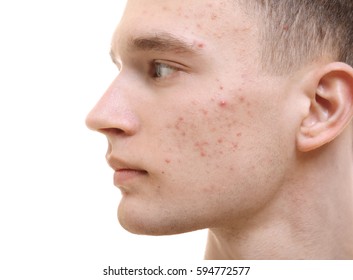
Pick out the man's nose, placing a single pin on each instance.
(113, 112)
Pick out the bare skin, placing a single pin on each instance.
(200, 137)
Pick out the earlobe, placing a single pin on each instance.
(331, 107)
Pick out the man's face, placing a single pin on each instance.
(197, 133)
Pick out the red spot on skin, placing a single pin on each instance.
(220, 140)
(178, 123)
(198, 26)
(167, 161)
(221, 87)
(201, 147)
(201, 45)
(235, 146)
(285, 27)
(239, 134)
(222, 103)
(204, 111)
(214, 17)
(242, 99)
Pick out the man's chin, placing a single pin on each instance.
(149, 228)
(155, 226)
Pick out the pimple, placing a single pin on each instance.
(201, 45)
(239, 134)
(204, 111)
(199, 26)
(220, 140)
(201, 147)
(214, 17)
(167, 160)
(241, 99)
(179, 122)
(221, 87)
(222, 103)
(285, 27)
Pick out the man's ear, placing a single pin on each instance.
(331, 106)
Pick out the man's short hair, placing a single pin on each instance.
(296, 32)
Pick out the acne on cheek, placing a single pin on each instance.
(222, 103)
(200, 45)
(202, 148)
(215, 117)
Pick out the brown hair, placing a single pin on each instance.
(296, 32)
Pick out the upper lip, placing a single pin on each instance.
(118, 164)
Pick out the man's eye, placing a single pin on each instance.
(162, 70)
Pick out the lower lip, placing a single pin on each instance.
(124, 175)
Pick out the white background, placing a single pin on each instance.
(57, 199)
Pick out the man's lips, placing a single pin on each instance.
(124, 171)
(124, 175)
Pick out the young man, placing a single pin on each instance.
(235, 116)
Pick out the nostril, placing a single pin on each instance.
(111, 131)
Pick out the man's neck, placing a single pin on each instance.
(311, 218)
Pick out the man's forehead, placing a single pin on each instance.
(179, 28)
(180, 12)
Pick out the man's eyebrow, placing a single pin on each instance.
(161, 42)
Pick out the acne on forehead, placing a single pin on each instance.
(201, 19)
